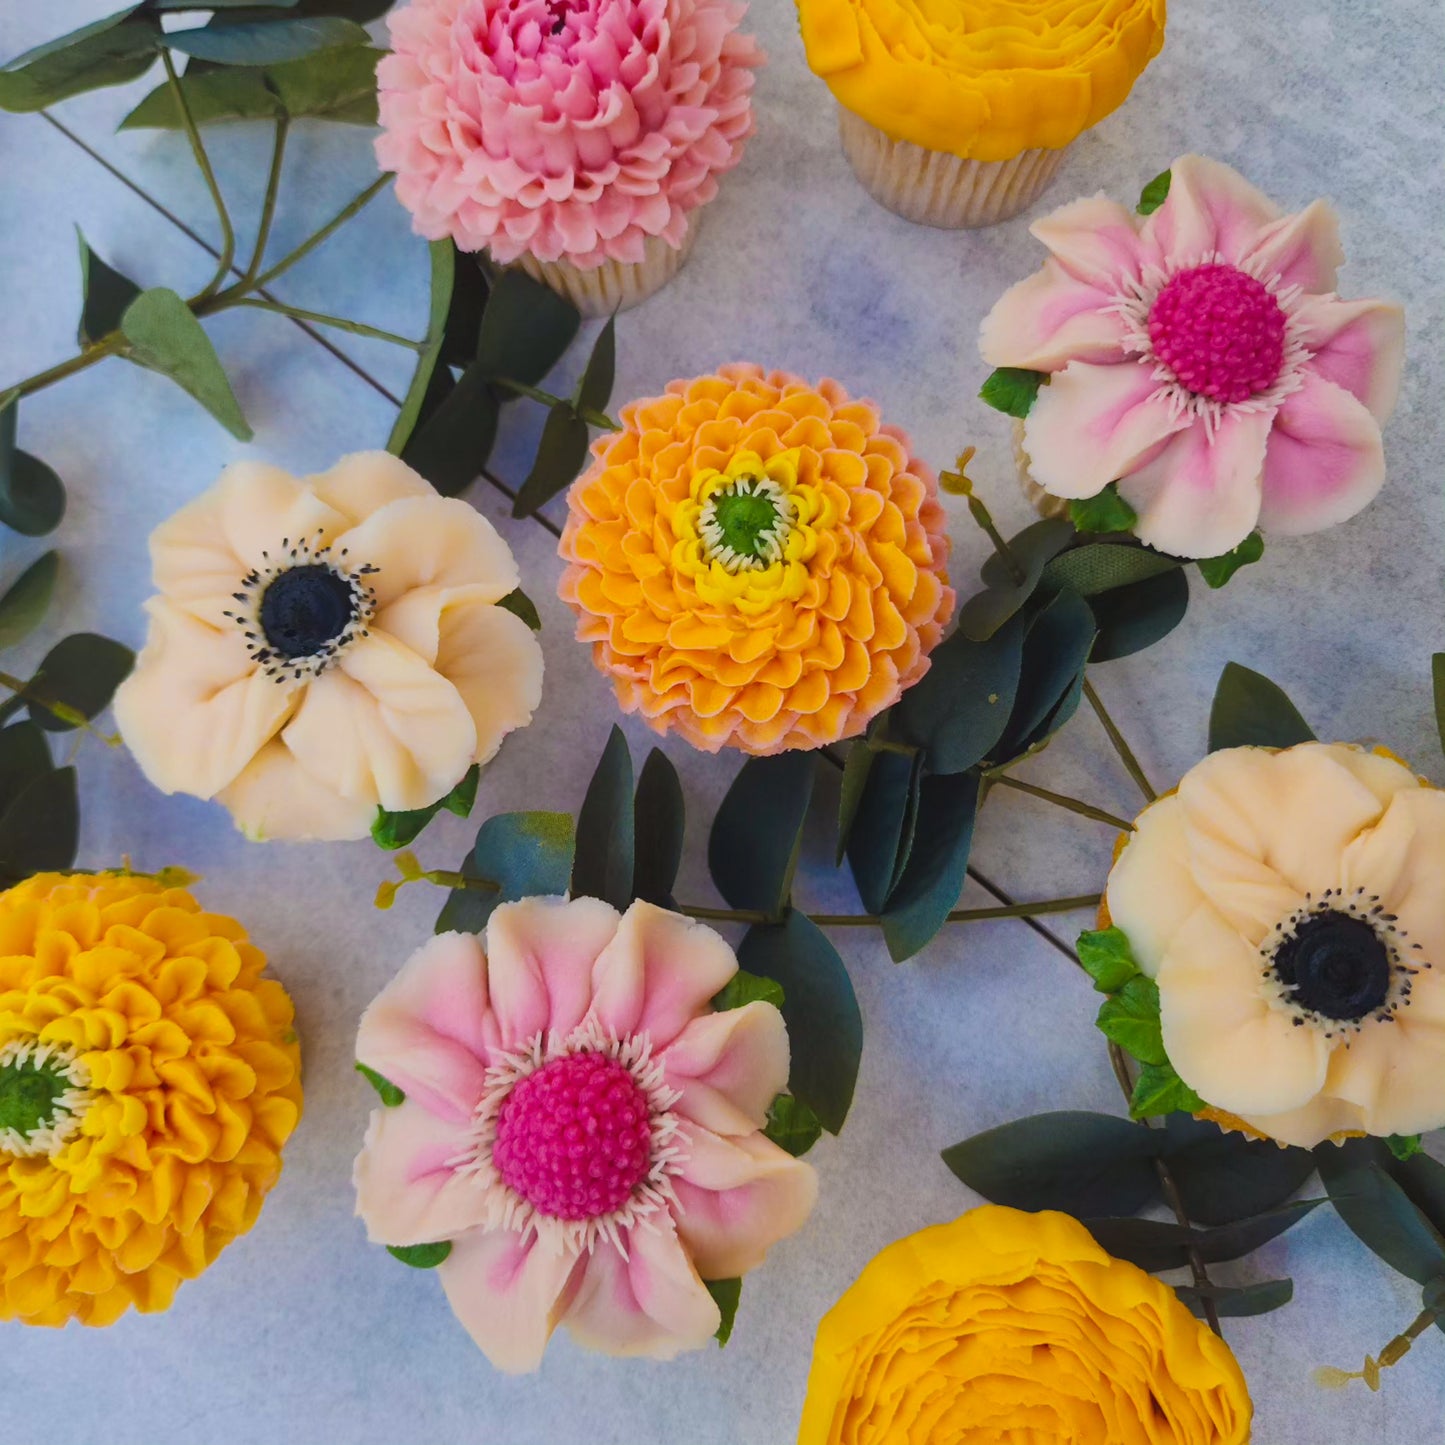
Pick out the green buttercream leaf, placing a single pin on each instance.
(1159, 1090)
(726, 1292)
(1154, 194)
(1106, 511)
(388, 1092)
(421, 1256)
(744, 988)
(1012, 389)
(1107, 958)
(1216, 571)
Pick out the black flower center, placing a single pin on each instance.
(1335, 965)
(304, 609)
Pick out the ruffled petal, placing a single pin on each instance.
(364, 482)
(408, 1190)
(274, 797)
(1301, 250)
(1325, 460)
(415, 617)
(261, 507)
(1210, 208)
(1152, 892)
(1050, 319)
(1094, 239)
(728, 1067)
(1359, 345)
(494, 661)
(1311, 1123)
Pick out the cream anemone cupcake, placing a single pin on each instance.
(957, 113)
(574, 138)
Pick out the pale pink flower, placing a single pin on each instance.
(568, 129)
(1201, 359)
(581, 1126)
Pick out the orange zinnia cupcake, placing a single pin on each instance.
(756, 562)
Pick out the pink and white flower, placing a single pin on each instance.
(580, 1125)
(563, 129)
(1200, 358)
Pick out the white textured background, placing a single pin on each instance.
(301, 1332)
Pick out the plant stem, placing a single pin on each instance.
(340, 323)
(984, 519)
(198, 149)
(60, 710)
(97, 351)
(1061, 800)
(535, 393)
(268, 206)
(1125, 752)
(872, 920)
(357, 203)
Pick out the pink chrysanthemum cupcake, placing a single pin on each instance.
(572, 137)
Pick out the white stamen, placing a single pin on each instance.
(769, 542)
(68, 1108)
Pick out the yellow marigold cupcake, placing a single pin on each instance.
(956, 113)
(149, 1076)
(757, 563)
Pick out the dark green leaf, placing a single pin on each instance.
(396, 830)
(337, 84)
(1102, 566)
(1423, 1180)
(1224, 1176)
(23, 606)
(1131, 1019)
(1243, 1236)
(466, 910)
(104, 293)
(32, 499)
(359, 10)
(520, 605)
(933, 879)
(526, 328)
(561, 455)
(527, 854)
(726, 1293)
(443, 275)
(110, 51)
(1358, 1179)
(266, 42)
(825, 1027)
(164, 335)
(421, 1256)
(792, 1125)
(752, 850)
(1251, 711)
(1012, 389)
(1107, 958)
(1154, 194)
(1132, 618)
(1084, 1164)
(883, 828)
(661, 816)
(1238, 1301)
(1432, 1297)
(602, 867)
(451, 446)
(386, 1091)
(1159, 1090)
(1437, 679)
(81, 673)
(24, 756)
(1218, 570)
(1055, 650)
(211, 96)
(744, 988)
(1155, 1245)
(1106, 511)
(1032, 550)
(856, 768)
(38, 831)
(470, 288)
(595, 389)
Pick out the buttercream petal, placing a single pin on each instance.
(364, 482)
(193, 564)
(261, 507)
(1210, 208)
(494, 661)
(1312, 1123)
(415, 617)
(1094, 239)
(274, 797)
(1359, 345)
(1301, 250)
(728, 1067)
(408, 1190)
(1410, 1099)
(1152, 892)
(1050, 319)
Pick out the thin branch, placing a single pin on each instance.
(198, 149)
(339, 323)
(357, 203)
(1062, 800)
(1125, 752)
(873, 920)
(268, 206)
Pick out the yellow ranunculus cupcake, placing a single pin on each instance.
(956, 113)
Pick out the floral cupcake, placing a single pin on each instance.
(958, 113)
(575, 138)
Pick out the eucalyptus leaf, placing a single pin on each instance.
(561, 455)
(1105, 511)
(421, 1256)
(111, 51)
(1102, 566)
(470, 291)
(933, 878)
(726, 1293)
(81, 673)
(745, 988)
(24, 605)
(40, 829)
(1012, 389)
(1223, 1176)
(1423, 1180)
(104, 292)
(266, 42)
(526, 329)
(753, 847)
(1031, 551)
(520, 605)
(603, 865)
(1056, 647)
(1238, 1301)
(336, 84)
(792, 1125)
(1216, 571)
(443, 275)
(594, 391)
(661, 815)
(1155, 1245)
(1251, 711)
(1131, 618)
(24, 757)
(386, 1091)
(883, 828)
(210, 96)
(526, 854)
(452, 445)
(32, 496)
(856, 769)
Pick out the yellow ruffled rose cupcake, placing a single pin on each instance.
(956, 113)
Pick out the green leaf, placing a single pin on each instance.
(561, 455)
(526, 328)
(110, 51)
(792, 1125)
(933, 878)
(396, 830)
(1056, 649)
(1432, 1297)
(603, 865)
(1251, 711)
(1012, 389)
(265, 42)
(1106, 511)
(1423, 1180)
(1102, 566)
(452, 445)
(1216, 571)
(421, 1256)
(752, 850)
(470, 289)
(388, 1092)
(24, 604)
(1032, 550)
(825, 1026)
(1222, 1176)
(24, 756)
(661, 817)
(39, 830)
(80, 673)
(527, 854)
(1107, 958)
(338, 84)
(261, 5)
(443, 275)
(164, 336)
(1437, 679)
(1159, 1090)
(883, 828)
(744, 988)
(1154, 194)
(1084, 1164)
(32, 498)
(1404, 1146)
(520, 605)
(1238, 1301)
(1131, 1019)
(726, 1293)
(856, 769)
(211, 96)
(1131, 618)
(1154, 1245)
(466, 910)
(594, 391)
(104, 292)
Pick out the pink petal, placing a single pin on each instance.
(1210, 208)
(407, 1189)
(1049, 319)
(431, 1030)
(508, 1292)
(1199, 495)
(658, 974)
(1095, 240)
(652, 1303)
(736, 1198)
(729, 1067)
(1301, 250)
(1325, 460)
(1091, 424)
(542, 953)
(1359, 345)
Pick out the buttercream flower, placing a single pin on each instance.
(1200, 359)
(1288, 906)
(324, 647)
(756, 562)
(1007, 1326)
(149, 1076)
(580, 1125)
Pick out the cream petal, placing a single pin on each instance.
(658, 974)
(1394, 1073)
(193, 564)
(274, 798)
(1401, 860)
(1210, 208)
(364, 482)
(381, 726)
(1359, 345)
(1050, 319)
(430, 542)
(261, 507)
(494, 661)
(508, 1291)
(1091, 424)
(736, 1198)
(408, 1189)
(1301, 250)
(1095, 239)
(415, 617)
(1151, 890)
(1381, 773)
(1310, 1124)
(197, 709)
(728, 1067)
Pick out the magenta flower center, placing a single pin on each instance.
(1220, 332)
(574, 1138)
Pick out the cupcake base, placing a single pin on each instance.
(1046, 504)
(935, 188)
(614, 285)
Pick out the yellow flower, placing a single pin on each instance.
(984, 79)
(148, 1078)
(1007, 1326)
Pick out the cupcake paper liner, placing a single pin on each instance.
(615, 285)
(1044, 503)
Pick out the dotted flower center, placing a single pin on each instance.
(574, 1138)
(1220, 332)
(745, 525)
(44, 1095)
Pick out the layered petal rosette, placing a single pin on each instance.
(569, 130)
(1200, 358)
(149, 1075)
(757, 563)
(322, 647)
(1287, 904)
(579, 1126)
(1007, 1326)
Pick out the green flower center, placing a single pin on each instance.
(745, 525)
(43, 1098)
